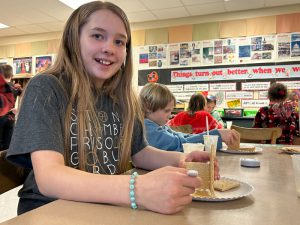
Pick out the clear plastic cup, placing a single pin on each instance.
(228, 124)
(209, 140)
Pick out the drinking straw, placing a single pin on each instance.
(207, 130)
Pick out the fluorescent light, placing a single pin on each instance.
(74, 4)
(3, 26)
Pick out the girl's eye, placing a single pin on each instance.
(98, 36)
(120, 42)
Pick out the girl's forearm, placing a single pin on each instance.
(151, 158)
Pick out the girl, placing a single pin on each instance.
(196, 116)
(80, 122)
(279, 113)
(157, 103)
(210, 107)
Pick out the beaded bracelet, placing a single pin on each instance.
(131, 190)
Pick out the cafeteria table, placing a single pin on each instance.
(273, 200)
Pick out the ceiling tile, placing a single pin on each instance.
(130, 5)
(204, 9)
(53, 26)
(161, 4)
(141, 16)
(10, 32)
(32, 29)
(236, 5)
(199, 2)
(170, 13)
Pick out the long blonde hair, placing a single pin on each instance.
(80, 88)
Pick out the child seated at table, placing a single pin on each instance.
(279, 113)
(196, 116)
(157, 103)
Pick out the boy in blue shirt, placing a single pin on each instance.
(157, 103)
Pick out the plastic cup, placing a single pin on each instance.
(190, 147)
(209, 140)
(228, 124)
(296, 166)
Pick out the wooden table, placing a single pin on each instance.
(274, 201)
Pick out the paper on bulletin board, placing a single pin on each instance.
(257, 103)
(255, 86)
(291, 84)
(263, 94)
(234, 103)
(196, 87)
(183, 95)
(222, 86)
(175, 88)
(239, 94)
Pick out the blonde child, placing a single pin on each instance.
(157, 103)
(80, 124)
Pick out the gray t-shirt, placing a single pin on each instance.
(40, 126)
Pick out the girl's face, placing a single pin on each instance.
(210, 106)
(162, 116)
(103, 45)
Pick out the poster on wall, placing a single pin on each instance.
(22, 65)
(256, 49)
(143, 57)
(262, 48)
(208, 52)
(229, 50)
(283, 46)
(174, 54)
(196, 52)
(185, 55)
(295, 45)
(42, 63)
(244, 49)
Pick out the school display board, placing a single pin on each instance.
(238, 70)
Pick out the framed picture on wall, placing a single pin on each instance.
(22, 65)
(42, 63)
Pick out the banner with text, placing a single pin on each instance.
(236, 73)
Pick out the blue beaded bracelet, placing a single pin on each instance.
(132, 191)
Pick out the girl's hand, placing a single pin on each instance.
(166, 190)
(200, 156)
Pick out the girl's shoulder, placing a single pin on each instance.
(47, 82)
(43, 79)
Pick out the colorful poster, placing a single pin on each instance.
(295, 45)
(208, 52)
(174, 54)
(283, 46)
(196, 52)
(42, 63)
(22, 65)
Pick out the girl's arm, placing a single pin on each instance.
(166, 190)
(151, 158)
(54, 179)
